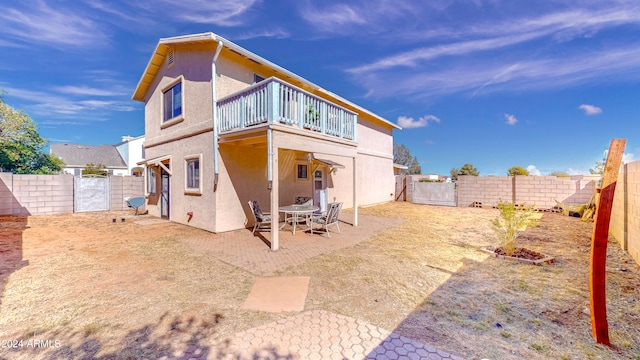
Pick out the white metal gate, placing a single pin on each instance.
(91, 194)
(434, 193)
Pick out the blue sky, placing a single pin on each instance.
(539, 84)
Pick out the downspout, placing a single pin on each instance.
(269, 158)
(214, 116)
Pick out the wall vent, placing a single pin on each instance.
(170, 58)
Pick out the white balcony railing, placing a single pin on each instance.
(273, 100)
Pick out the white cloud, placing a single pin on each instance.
(359, 17)
(40, 24)
(487, 37)
(511, 119)
(410, 123)
(334, 18)
(627, 157)
(88, 91)
(219, 12)
(501, 74)
(54, 104)
(533, 170)
(276, 33)
(590, 109)
(502, 59)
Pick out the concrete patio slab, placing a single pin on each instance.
(278, 294)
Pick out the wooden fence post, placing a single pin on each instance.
(599, 239)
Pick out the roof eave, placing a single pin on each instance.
(140, 93)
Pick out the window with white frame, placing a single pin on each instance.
(172, 101)
(192, 174)
(151, 181)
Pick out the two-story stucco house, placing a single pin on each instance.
(224, 126)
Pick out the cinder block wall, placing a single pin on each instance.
(53, 194)
(123, 187)
(541, 191)
(7, 201)
(42, 194)
(625, 214)
(488, 190)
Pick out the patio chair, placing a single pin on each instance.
(262, 221)
(330, 218)
(304, 200)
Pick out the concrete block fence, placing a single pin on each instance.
(541, 191)
(53, 194)
(625, 214)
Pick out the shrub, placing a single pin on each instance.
(508, 225)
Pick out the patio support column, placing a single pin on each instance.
(273, 163)
(355, 192)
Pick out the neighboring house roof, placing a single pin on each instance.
(400, 166)
(75, 155)
(164, 45)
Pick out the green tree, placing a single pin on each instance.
(559, 174)
(95, 169)
(466, 169)
(598, 169)
(402, 156)
(517, 170)
(22, 149)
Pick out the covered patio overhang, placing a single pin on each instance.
(276, 137)
(161, 161)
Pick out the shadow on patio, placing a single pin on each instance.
(252, 253)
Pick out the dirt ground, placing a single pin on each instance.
(82, 286)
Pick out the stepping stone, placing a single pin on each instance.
(278, 294)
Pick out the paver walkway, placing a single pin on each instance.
(321, 334)
(253, 254)
(316, 334)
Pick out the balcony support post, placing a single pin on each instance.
(273, 101)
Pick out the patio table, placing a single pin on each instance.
(295, 213)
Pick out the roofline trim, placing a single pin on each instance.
(210, 36)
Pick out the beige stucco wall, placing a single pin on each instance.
(375, 139)
(243, 169)
(231, 77)
(376, 182)
(193, 66)
(182, 201)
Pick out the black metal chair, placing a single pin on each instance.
(262, 221)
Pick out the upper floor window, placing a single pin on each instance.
(172, 99)
(257, 78)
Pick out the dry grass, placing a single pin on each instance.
(121, 290)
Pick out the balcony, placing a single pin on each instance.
(275, 101)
